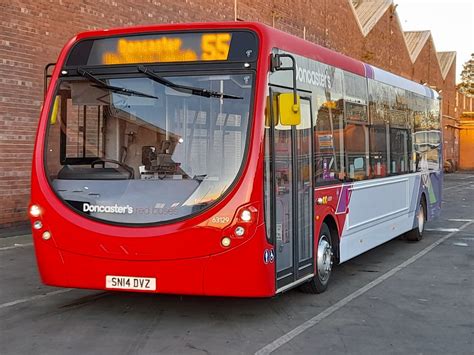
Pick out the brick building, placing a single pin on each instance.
(33, 32)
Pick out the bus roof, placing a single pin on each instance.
(274, 38)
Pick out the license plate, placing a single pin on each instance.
(130, 283)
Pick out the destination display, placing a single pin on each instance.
(165, 48)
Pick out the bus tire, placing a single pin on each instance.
(324, 262)
(416, 234)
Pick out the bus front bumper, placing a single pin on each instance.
(237, 272)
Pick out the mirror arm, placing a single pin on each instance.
(277, 66)
(47, 76)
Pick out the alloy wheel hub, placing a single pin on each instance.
(324, 260)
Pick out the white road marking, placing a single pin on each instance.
(16, 245)
(446, 230)
(279, 342)
(458, 185)
(460, 220)
(34, 298)
(459, 244)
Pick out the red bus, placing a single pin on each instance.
(225, 159)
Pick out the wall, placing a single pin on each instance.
(33, 32)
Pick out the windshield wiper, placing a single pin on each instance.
(117, 89)
(184, 88)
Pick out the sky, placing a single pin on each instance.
(451, 23)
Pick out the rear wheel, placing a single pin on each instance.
(416, 234)
(324, 262)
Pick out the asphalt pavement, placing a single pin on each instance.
(410, 298)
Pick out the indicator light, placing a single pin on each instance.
(246, 216)
(239, 231)
(225, 241)
(35, 211)
(37, 225)
(46, 235)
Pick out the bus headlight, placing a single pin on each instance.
(246, 216)
(37, 225)
(46, 235)
(35, 211)
(225, 242)
(239, 231)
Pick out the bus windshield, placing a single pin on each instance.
(139, 150)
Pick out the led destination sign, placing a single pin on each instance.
(165, 48)
(211, 46)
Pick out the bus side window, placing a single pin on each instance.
(378, 131)
(356, 146)
(329, 164)
(399, 151)
(328, 138)
(356, 133)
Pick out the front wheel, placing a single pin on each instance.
(324, 262)
(416, 234)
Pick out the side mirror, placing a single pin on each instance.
(54, 113)
(289, 109)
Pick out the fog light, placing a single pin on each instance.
(239, 231)
(37, 225)
(246, 216)
(225, 241)
(35, 211)
(46, 235)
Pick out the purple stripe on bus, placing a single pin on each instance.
(429, 92)
(344, 198)
(369, 72)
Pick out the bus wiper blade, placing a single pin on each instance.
(117, 89)
(183, 88)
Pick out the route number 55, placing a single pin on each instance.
(215, 46)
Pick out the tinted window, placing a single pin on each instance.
(356, 143)
(378, 151)
(329, 150)
(399, 151)
(427, 135)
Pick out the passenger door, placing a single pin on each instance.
(292, 198)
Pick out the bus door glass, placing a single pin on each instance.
(292, 199)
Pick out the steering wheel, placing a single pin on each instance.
(124, 166)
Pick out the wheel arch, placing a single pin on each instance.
(330, 221)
